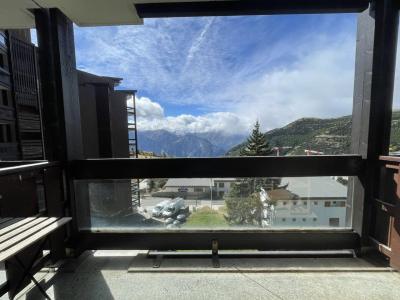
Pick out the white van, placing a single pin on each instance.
(159, 208)
(173, 208)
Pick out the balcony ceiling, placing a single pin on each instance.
(16, 13)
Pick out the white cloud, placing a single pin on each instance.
(236, 69)
(147, 109)
(320, 84)
(150, 116)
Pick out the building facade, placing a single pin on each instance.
(20, 99)
(309, 202)
(196, 188)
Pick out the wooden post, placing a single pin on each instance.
(373, 97)
(61, 110)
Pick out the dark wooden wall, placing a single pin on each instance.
(119, 124)
(89, 124)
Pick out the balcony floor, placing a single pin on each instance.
(130, 275)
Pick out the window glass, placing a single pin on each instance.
(205, 90)
(394, 148)
(247, 203)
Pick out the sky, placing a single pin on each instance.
(224, 73)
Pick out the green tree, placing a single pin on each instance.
(151, 185)
(243, 207)
(257, 144)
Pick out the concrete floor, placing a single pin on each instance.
(130, 275)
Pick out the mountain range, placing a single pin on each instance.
(163, 142)
(330, 136)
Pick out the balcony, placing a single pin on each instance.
(129, 274)
(308, 235)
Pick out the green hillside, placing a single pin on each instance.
(331, 136)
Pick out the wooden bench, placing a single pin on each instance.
(18, 234)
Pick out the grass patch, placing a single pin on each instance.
(206, 217)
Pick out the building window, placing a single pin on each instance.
(294, 219)
(283, 220)
(5, 133)
(304, 219)
(305, 203)
(335, 204)
(3, 97)
(294, 202)
(315, 203)
(334, 222)
(314, 219)
(284, 202)
(198, 189)
(2, 40)
(221, 185)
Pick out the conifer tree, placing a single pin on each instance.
(257, 144)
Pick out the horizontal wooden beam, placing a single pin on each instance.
(197, 240)
(248, 7)
(266, 166)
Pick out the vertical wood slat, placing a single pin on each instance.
(26, 98)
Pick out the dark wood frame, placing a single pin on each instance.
(248, 7)
(289, 166)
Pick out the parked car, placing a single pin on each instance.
(181, 218)
(177, 223)
(184, 210)
(169, 221)
(173, 208)
(159, 208)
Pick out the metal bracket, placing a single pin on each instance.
(215, 258)
(157, 261)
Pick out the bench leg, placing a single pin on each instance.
(27, 272)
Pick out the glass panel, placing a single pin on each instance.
(395, 130)
(2, 40)
(214, 203)
(201, 86)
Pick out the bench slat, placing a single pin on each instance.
(8, 222)
(3, 220)
(20, 229)
(14, 223)
(9, 243)
(33, 238)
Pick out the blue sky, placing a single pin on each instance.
(224, 73)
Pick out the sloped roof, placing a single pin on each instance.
(89, 78)
(180, 182)
(280, 194)
(315, 187)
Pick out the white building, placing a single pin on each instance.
(309, 202)
(220, 186)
